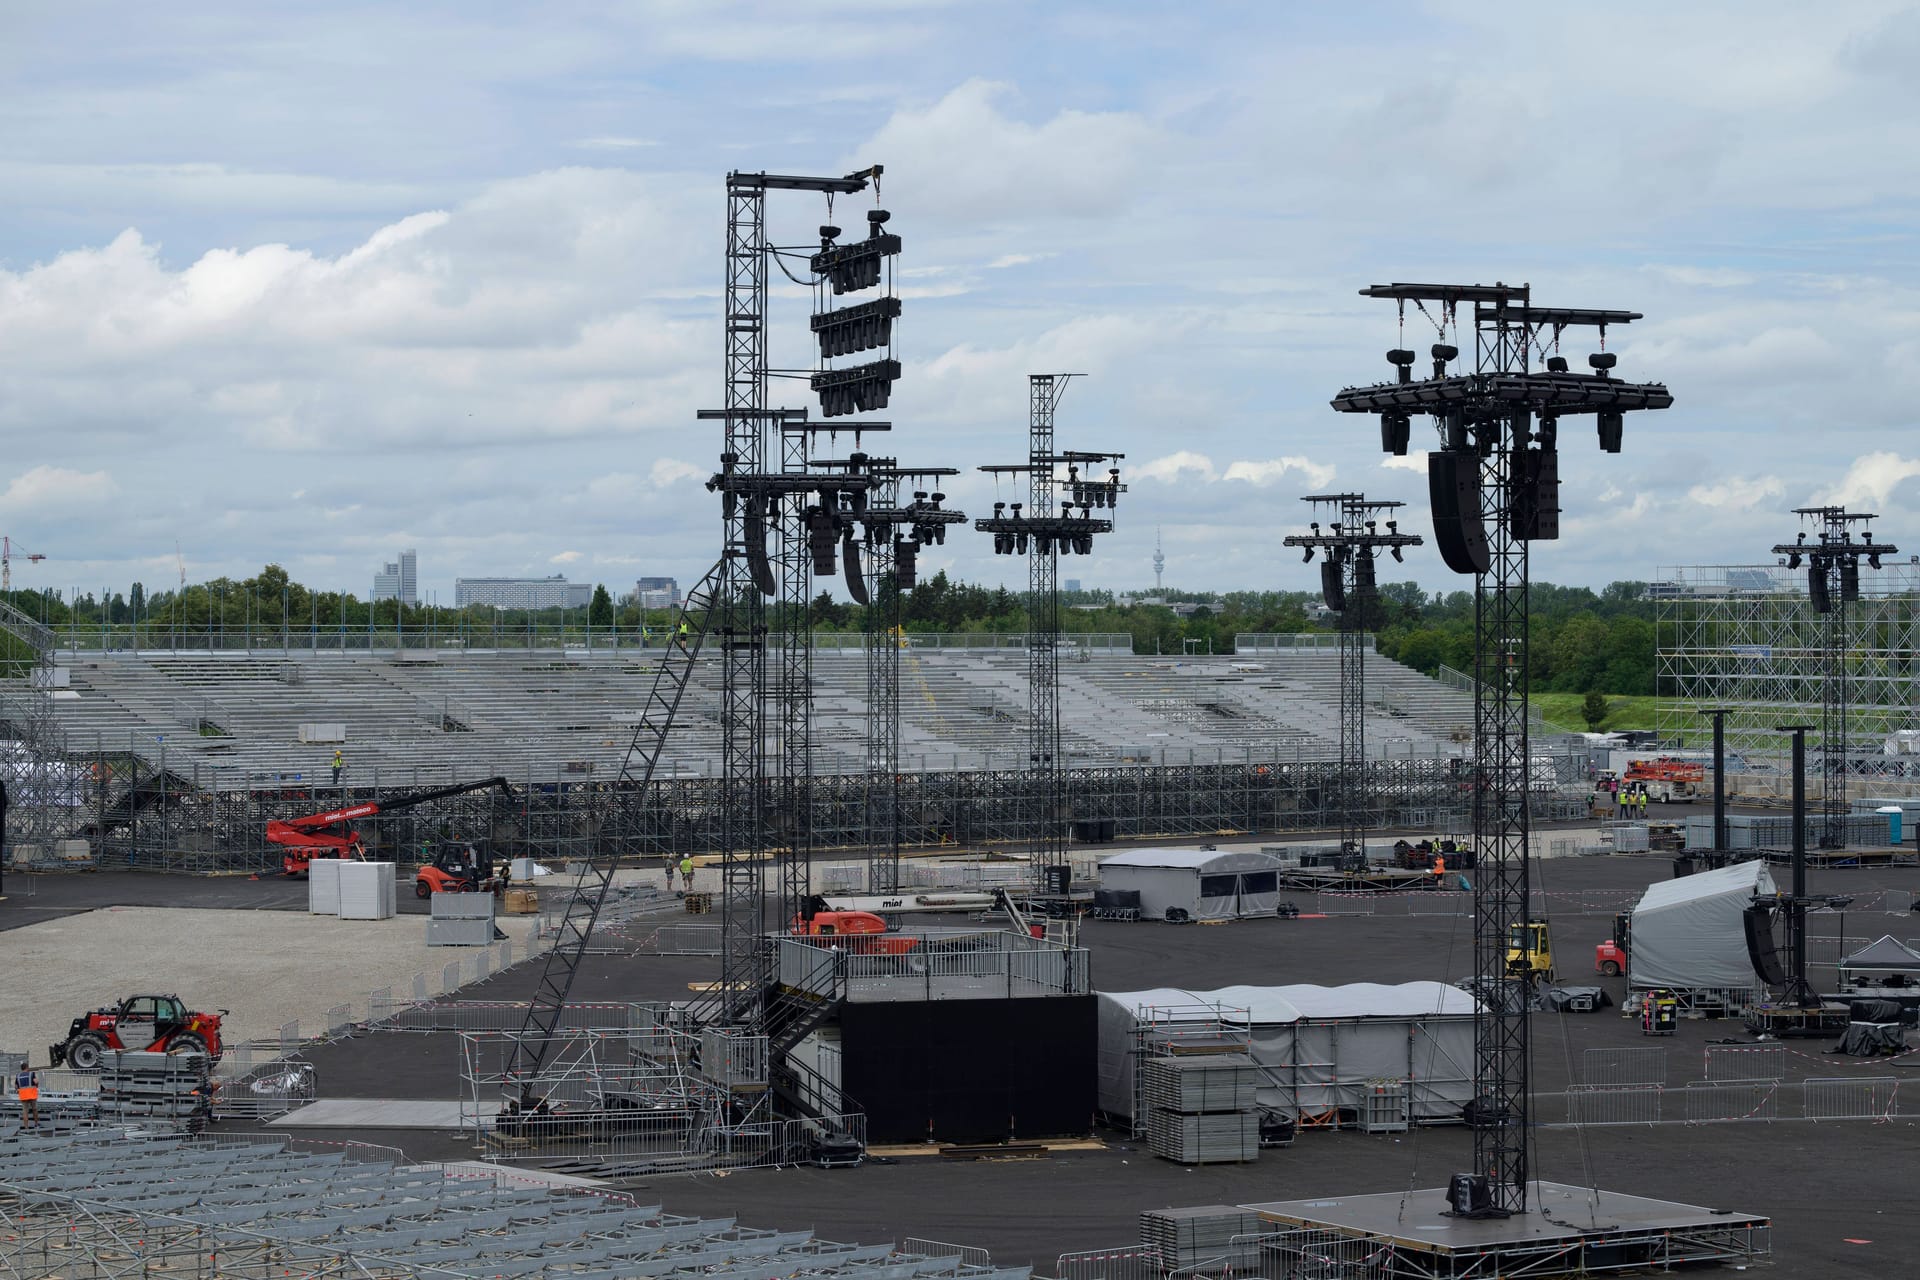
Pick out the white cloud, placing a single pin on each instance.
(1871, 480)
(1016, 260)
(671, 471)
(1171, 468)
(1739, 492)
(964, 155)
(567, 557)
(48, 488)
(1273, 470)
(1412, 460)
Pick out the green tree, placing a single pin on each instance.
(1594, 710)
(600, 608)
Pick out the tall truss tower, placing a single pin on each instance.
(1494, 481)
(1349, 587)
(784, 522)
(896, 532)
(1833, 586)
(1041, 532)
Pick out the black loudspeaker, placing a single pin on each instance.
(1469, 1195)
(1396, 433)
(850, 562)
(1059, 880)
(1533, 495)
(1817, 586)
(756, 536)
(1849, 579)
(905, 563)
(1760, 948)
(1453, 485)
(1333, 586)
(1365, 583)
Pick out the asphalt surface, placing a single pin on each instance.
(1826, 1186)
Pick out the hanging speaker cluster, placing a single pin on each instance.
(1817, 590)
(856, 390)
(1453, 489)
(850, 268)
(1333, 588)
(849, 330)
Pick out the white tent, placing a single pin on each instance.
(1203, 884)
(1688, 931)
(1319, 1048)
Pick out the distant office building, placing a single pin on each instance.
(522, 593)
(657, 593)
(399, 580)
(1070, 584)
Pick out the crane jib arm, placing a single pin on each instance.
(280, 831)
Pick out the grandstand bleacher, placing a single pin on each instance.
(234, 719)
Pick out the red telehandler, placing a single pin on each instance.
(331, 834)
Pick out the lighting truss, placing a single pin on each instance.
(1043, 532)
(895, 531)
(1349, 551)
(1494, 481)
(1832, 561)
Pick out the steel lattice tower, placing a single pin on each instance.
(895, 533)
(1041, 533)
(1833, 586)
(1494, 484)
(1348, 586)
(764, 481)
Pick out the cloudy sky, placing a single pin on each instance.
(308, 284)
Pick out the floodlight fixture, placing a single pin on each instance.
(855, 390)
(845, 331)
(849, 268)
(1557, 364)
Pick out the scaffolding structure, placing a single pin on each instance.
(1495, 489)
(39, 779)
(1040, 529)
(1747, 638)
(1349, 587)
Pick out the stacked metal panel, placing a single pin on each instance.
(174, 1087)
(323, 887)
(461, 920)
(1201, 1109)
(366, 891)
(1206, 1238)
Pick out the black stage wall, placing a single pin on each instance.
(970, 1070)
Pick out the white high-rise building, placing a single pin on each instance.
(522, 593)
(399, 579)
(656, 593)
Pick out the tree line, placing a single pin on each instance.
(1581, 640)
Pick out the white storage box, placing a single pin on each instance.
(323, 887)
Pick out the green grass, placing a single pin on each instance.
(1562, 710)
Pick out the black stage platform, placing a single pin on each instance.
(1565, 1231)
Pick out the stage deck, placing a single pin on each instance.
(1566, 1230)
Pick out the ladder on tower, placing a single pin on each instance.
(636, 774)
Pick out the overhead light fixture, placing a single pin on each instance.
(1442, 353)
(1601, 361)
(847, 330)
(849, 268)
(1556, 364)
(1403, 361)
(855, 390)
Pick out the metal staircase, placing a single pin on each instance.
(590, 892)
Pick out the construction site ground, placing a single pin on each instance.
(1841, 1194)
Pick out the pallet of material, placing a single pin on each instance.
(1208, 1237)
(1224, 1138)
(1211, 1082)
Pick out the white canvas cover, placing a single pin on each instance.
(1319, 1048)
(1207, 884)
(1687, 932)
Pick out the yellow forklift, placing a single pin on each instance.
(1530, 951)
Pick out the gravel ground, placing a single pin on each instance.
(267, 967)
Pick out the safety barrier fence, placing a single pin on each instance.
(967, 1255)
(1728, 1101)
(1745, 1062)
(1126, 1262)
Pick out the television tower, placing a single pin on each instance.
(1159, 560)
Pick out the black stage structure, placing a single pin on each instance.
(1042, 531)
(1349, 585)
(1833, 561)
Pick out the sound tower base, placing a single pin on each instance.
(1408, 1236)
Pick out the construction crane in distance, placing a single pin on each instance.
(7, 549)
